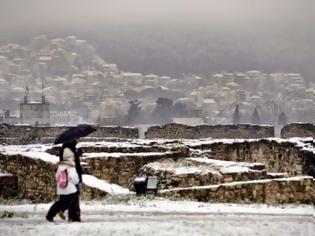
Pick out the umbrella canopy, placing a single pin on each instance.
(74, 133)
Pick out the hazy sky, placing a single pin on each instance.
(19, 13)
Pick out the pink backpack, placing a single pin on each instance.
(62, 179)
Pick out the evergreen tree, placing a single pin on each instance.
(163, 112)
(236, 116)
(282, 119)
(255, 117)
(134, 112)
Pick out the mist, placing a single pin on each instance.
(32, 13)
(178, 36)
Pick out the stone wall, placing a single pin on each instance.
(92, 193)
(118, 149)
(208, 176)
(291, 190)
(277, 157)
(20, 134)
(16, 134)
(122, 170)
(179, 131)
(298, 130)
(36, 179)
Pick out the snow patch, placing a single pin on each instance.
(120, 154)
(297, 178)
(103, 185)
(34, 151)
(4, 173)
(108, 144)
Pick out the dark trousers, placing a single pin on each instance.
(66, 202)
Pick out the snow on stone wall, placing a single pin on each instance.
(278, 155)
(179, 131)
(34, 167)
(20, 134)
(286, 190)
(35, 178)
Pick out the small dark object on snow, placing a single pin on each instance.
(74, 133)
(145, 184)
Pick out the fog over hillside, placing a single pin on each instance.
(176, 37)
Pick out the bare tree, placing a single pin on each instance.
(134, 112)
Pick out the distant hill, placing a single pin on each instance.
(177, 49)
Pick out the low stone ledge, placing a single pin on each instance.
(22, 134)
(180, 131)
(277, 155)
(35, 179)
(188, 173)
(122, 169)
(276, 191)
(298, 130)
(114, 149)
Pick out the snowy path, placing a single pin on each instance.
(162, 217)
(135, 223)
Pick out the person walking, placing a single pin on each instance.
(69, 138)
(67, 178)
(77, 154)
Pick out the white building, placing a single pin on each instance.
(35, 113)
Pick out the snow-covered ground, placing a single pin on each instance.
(128, 215)
(140, 216)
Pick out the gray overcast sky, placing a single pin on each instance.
(270, 35)
(19, 13)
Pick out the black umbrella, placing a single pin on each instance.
(74, 133)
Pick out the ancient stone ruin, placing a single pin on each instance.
(177, 131)
(26, 134)
(213, 170)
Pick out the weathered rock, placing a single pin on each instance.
(284, 157)
(200, 175)
(298, 130)
(36, 179)
(178, 131)
(16, 134)
(290, 190)
(123, 169)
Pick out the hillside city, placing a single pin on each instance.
(81, 87)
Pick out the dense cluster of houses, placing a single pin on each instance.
(81, 87)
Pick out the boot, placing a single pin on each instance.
(61, 214)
